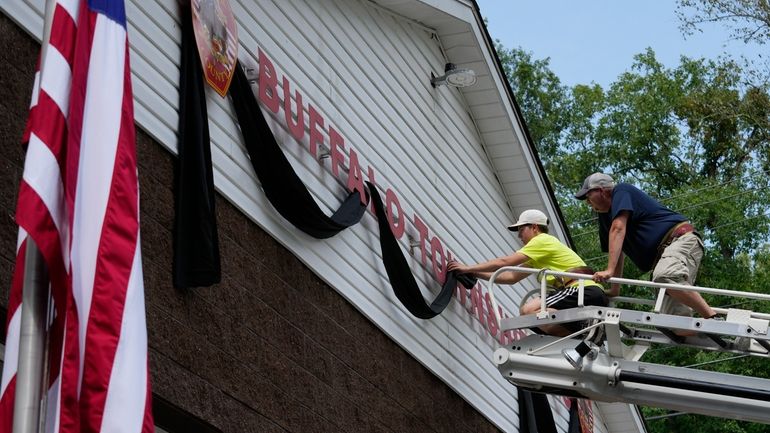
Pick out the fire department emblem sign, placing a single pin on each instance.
(217, 38)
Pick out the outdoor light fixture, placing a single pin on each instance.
(575, 356)
(454, 77)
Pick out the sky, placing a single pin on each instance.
(595, 40)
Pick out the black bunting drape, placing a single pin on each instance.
(280, 182)
(535, 414)
(574, 417)
(196, 242)
(400, 275)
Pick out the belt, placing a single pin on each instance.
(677, 231)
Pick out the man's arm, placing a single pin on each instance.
(615, 260)
(615, 287)
(484, 270)
(503, 278)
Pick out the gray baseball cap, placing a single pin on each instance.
(596, 180)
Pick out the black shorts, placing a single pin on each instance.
(568, 298)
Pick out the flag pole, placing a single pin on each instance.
(32, 341)
(30, 376)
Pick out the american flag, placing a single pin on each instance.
(79, 202)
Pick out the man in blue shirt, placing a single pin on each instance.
(651, 235)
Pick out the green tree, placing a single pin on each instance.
(540, 94)
(747, 21)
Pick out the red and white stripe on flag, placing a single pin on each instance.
(79, 201)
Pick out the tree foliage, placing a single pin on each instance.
(540, 94)
(696, 136)
(749, 20)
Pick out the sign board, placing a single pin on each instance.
(217, 38)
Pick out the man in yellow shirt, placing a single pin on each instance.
(541, 251)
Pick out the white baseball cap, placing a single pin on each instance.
(596, 180)
(530, 216)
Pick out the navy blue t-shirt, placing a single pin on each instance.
(648, 222)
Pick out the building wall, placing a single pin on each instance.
(272, 348)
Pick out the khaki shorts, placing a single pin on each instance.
(679, 264)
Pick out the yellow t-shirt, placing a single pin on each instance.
(545, 251)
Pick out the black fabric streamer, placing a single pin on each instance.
(526, 412)
(545, 422)
(196, 260)
(535, 414)
(400, 275)
(574, 417)
(280, 182)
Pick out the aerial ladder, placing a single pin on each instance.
(601, 361)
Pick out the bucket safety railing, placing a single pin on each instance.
(581, 278)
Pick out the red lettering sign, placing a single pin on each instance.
(477, 308)
(267, 82)
(397, 222)
(355, 177)
(297, 129)
(439, 266)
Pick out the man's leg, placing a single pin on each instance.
(533, 307)
(679, 265)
